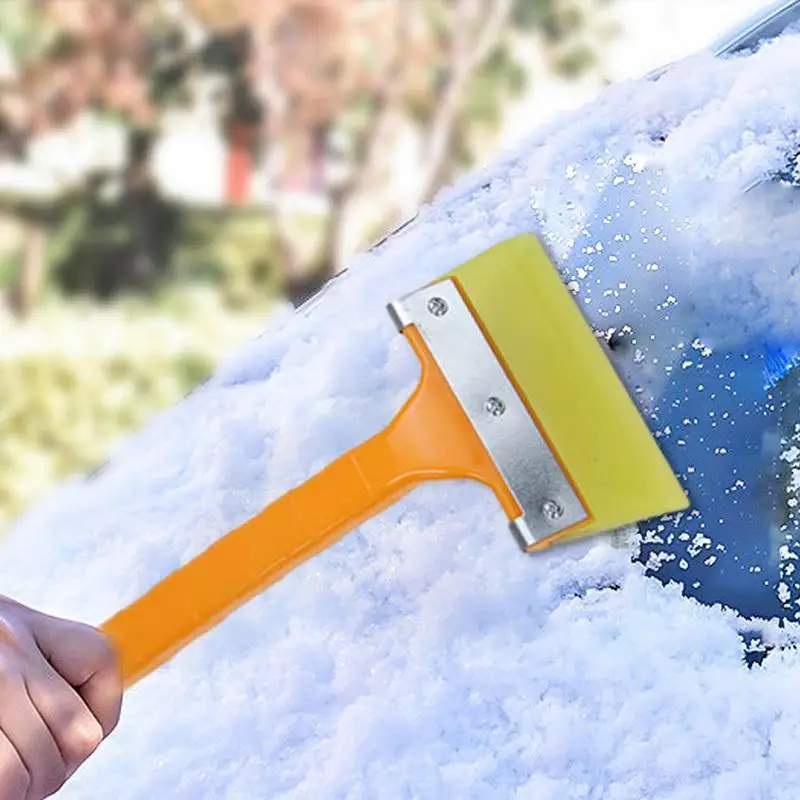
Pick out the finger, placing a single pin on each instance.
(102, 692)
(15, 781)
(25, 729)
(72, 725)
(86, 659)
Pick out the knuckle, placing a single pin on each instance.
(84, 736)
(99, 650)
(74, 727)
(105, 654)
(10, 635)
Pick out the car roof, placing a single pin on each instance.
(767, 23)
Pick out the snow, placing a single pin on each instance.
(424, 656)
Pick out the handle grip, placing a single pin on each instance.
(431, 438)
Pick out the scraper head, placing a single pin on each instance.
(543, 396)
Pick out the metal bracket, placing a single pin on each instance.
(494, 408)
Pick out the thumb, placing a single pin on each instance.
(85, 658)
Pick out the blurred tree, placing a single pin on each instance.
(74, 54)
(336, 80)
(319, 90)
(73, 57)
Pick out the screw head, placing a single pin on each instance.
(437, 306)
(552, 510)
(495, 406)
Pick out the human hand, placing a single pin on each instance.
(60, 697)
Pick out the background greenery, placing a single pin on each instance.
(82, 377)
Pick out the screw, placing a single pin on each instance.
(495, 406)
(437, 306)
(552, 510)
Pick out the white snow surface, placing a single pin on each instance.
(424, 656)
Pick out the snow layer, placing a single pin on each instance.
(424, 656)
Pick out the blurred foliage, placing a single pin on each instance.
(24, 31)
(91, 249)
(76, 379)
(9, 269)
(232, 248)
(95, 245)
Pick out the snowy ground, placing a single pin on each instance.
(424, 656)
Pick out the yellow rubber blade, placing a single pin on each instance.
(572, 390)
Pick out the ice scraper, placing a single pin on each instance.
(515, 392)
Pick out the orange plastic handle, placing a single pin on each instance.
(431, 438)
